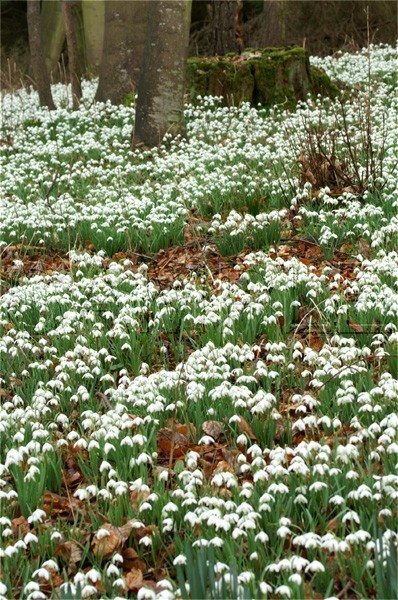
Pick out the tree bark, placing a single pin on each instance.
(123, 47)
(42, 79)
(227, 34)
(160, 102)
(94, 21)
(52, 24)
(72, 52)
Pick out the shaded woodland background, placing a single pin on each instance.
(322, 26)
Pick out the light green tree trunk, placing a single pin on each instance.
(94, 22)
(123, 46)
(160, 102)
(52, 26)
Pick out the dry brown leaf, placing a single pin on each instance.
(70, 552)
(364, 248)
(213, 428)
(280, 430)
(168, 438)
(158, 573)
(55, 504)
(355, 326)
(20, 526)
(137, 497)
(131, 560)
(314, 341)
(244, 427)
(103, 547)
(222, 467)
(134, 579)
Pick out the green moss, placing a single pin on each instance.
(128, 99)
(268, 76)
(322, 84)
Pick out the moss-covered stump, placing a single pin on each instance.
(268, 76)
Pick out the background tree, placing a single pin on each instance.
(41, 76)
(226, 30)
(72, 52)
(160, 101)
(123, 47)
(52, 24)
(94, 22)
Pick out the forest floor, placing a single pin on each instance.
(198, 348)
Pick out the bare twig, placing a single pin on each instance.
(104, 399)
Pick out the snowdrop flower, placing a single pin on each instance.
(180, 560)
(265, 588)
(88, 590)
(284, 591)
(30, 537)
(296, 579)
(351, 515)
(112, 570)
(37, 516)
(283, 532)
(146, 594)
(262, 537)
(50, 564)
(41, 574)
(146, 541)
(93, 575)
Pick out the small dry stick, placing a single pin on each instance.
(104, 399)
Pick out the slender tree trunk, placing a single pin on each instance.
(94, 21)
(42, 79)
(52, 26)
(159, 107)
(72, 52)
(123, 47)
(227, 36)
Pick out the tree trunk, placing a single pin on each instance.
(94, 21)
(42, 79)
(72, 52)
(227, 36)
(123, 47)
(52, 24)
(160, 102)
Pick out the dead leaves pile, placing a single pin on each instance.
(321, 170)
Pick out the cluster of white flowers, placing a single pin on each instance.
(98, 363)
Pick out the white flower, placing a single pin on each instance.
(101, 533)
(315, 567)
(180, 560)
(262, 537)
(30, 537)
(146, 541)
(93, 575)
(50, 564)
(146, 594)
(37, 515)
(112, 570)
(296, 579)
(351, 515)
(88, 590)
(283, 532)
(41, 574)
(216, 541)
(283, 590)
(265, 588)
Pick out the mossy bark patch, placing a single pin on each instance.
(266, 77)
